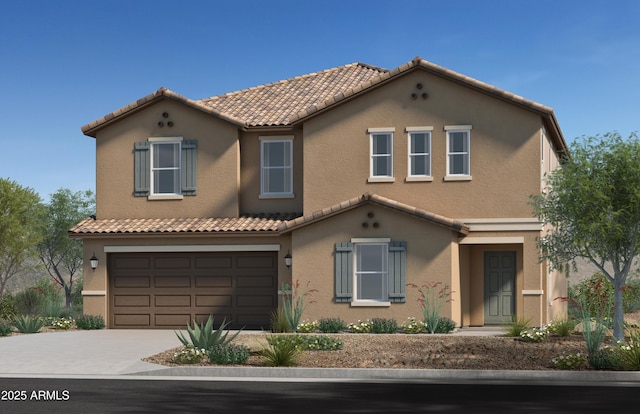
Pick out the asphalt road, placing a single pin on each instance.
(41, 395)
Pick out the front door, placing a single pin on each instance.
(499, 287)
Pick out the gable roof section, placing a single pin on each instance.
(258, 223)
(292, 101)
(371, 198)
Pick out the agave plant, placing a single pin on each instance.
(203, 336)
(27, 324)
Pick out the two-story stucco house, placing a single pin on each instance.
(355, 181)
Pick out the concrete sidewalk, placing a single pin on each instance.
(108, 353)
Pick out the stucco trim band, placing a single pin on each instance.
(194, 248)
(503, 224)
(492, 240)
(539, 292)
(94, 293)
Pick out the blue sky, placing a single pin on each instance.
(64, 63)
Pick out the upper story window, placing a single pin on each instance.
(381, 153)
(419, 153)
(458, 152)
(276, 165)
(165, 168)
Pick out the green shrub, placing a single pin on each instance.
(280, 353)
(203, 336)
(534, 334)
(72, 312)
(563, 327)
(5, 328)
(52, 307)
(569, 361)
(414, 326)
(88, 322)
(7, 307)
(517, 326)
(61, 323)
(630, 351)
(28, 324)
(189, 355)
(606, 358)
(308, 342)
(76, 293)
(308, 326)
(29, 302)
(360, 327)
(331, 325)
(383, 326)
(279, 322)
(229, 354)
(596, 292)
(445, 325)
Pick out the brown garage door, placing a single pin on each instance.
(169, 290)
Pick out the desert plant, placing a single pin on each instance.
(445, 325)
(308, 326)
(203, 336)
(293, 303)
(331, 325)
(7, 307)
(307, 342)
(562, 327)
(414, 326)
(189, 355)
(89, 322)
(517, 326)
(61, 323)
(432, 298)
(534, 334)
(630, 351)
(229, 354)
(279, 322)
(569, 361)
(29, 302)
(360, 327)
(383, 326)
(5, 328)
(52, 307)
(279, 353)
(28, 324)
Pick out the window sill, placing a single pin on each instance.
(165, 197)
(415, 179)
(381, 180)
(370, 303)
(276, 195)
(457, 178)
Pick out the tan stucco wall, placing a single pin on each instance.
(218, 164)
(96, 283)
(505, 150)
(429, 259)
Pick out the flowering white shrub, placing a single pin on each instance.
(360, 327)
(189, 355)
(569, 361)
(414, 326)
(535, 334)
(308, 327)
(62, 323)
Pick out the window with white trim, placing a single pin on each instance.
(165, 167)
(419, 151)
(371, 271)
(458, 151)
(276, 164)
(381, 152)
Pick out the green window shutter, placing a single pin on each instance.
(142, 168)
(189, 167)
(344, 272)
(397, 272)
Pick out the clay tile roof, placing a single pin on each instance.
(248, 223)
(279, 102)
(371, 198)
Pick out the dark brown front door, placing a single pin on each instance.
(170, 290)
(499, 287)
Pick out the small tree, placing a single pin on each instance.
(20, 211)
(61, 255)
(591, 207)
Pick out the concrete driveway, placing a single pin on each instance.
(95, 352)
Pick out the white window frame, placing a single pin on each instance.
(410, 133)
(264, 141)
(357, 244)
(373, 132)
(450, 129)
(154, 141)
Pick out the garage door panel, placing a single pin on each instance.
(172, 319)
(131, 320)
(172, 281)
(214, 301)
(220, 262)
(214, 281)
(132, 301)
(131, 282)
(172, 300)
(241, 286)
